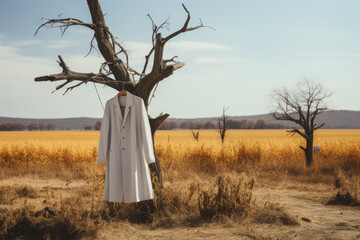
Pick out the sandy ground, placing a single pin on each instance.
(326, 221)
(323, 221)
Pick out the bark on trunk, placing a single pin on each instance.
(309, 152)
(155, 168)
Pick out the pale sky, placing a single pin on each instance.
(257, 45)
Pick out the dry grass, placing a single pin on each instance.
(265, 150)
(204, 182)
(348, 192)
(271, 213)
(9, 193)
(25, 223)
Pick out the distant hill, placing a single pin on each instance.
(59, 123)
(337, 119)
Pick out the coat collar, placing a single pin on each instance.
(129, 104)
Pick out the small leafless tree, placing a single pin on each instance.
(222, 125)
(195, 135)
(302, 106)
(116, 70)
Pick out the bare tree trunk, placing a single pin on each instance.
(155, 168)
(309, 152)
(222, 125)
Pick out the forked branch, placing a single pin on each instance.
(63, 24)
(70, 76)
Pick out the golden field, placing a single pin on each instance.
(254, 186)
(263, 149)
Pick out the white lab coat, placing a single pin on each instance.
(126, 143)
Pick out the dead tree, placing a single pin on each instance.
(222, 125)
(115, 72)
(302, 106)
(195, 135)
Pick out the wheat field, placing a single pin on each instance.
(51, 186)
(261, 149)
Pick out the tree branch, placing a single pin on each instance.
(106, 42)
(63, 24)
(155, 122)
(318, 126)
(160, 70)
(293, 131)
(70, 76)
(184, 28)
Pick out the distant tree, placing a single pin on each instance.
(210, 125)
(222, 125)
(97, 125)
(244, 123)
(165, 125)
(302, 106)
(261, 124)
(12, 126)
(199, 125)
(183, 125)
(41, 126)
(173, 125)
(191, 125)
(168, 125)
(32, 127)
(233, 124)
(49, 127)
(88, 127)
(250, 125)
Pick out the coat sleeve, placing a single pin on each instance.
(146, 135)
(104, 141)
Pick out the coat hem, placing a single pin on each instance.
(145, 199)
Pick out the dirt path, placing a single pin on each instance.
(326, 222)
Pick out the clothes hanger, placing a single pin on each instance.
(123, 92)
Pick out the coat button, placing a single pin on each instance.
(123, 127)
(123, 148)
(123, 137)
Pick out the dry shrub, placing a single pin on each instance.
(349, 190)
(69, 218)
(7, 195)
(229, 196)
(10, 193)
(139, 212)
(175, 206)
(25, 223)
(172, 206)
(272, 213)
(344, 198)
(183, 204)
